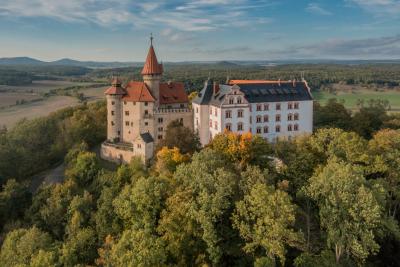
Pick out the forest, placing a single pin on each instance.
(329, 199)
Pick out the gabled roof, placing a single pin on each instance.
(151, 65)
(138, 92)
(173, 92)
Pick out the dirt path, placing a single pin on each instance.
(52, 176)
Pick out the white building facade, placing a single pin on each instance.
(271, 109)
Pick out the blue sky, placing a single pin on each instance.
(118, 30)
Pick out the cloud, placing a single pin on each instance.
(370, 48)
(317, 9)
(378, 7)
(199, 15)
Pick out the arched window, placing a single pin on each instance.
(296, 127)
(228, 127)
(290, 105)
(289, 128)
(290, 117)
(231, 100)
(240, 126)
(277, 128)
(266, 129)
(258, 119)
(259, 107)
(239, 100)
(296, 105)
(296, 116)
(258, 130)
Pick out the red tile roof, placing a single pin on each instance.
(138, 92)
(151, 65)
(173, 92)
(115, 90)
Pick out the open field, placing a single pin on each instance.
(10, 116)
(351, 98)
(94, 94)
(42, 86)
(10, 98)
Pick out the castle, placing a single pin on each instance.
(138, 113)
(271, 109)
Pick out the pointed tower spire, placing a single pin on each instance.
(151, 66)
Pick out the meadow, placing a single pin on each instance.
(350, 99)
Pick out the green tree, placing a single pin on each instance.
(181, 137)
(85, 169)
(22, 246)
(349, 211)
(80, 248)
(265, 219)
(332, 115)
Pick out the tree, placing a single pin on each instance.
(265, 219)
(332, 115)
(137, 248)
(243, 149)
(181, 137)
(139, 204)
(14, 199)
(369, 120)
(85, 169)
(79, 248)
(22, 246)
(168, 159)
(349, 211)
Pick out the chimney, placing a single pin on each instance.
(216, 88)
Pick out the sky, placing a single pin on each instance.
(200, 30)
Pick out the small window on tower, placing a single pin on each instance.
(112, 113)
(127, 123)
(127, 113)
(160, 137)
(124, 102)
(146, 123)
(146, 112)
(112, 123)
(182, 105)
(145, 103)
(160, 120)
(112, 103)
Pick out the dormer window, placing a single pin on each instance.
(239, 100)
(231, 100)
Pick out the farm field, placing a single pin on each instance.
(10, 98)
(94, 93)
(10, 116)
(351, 98)
(42, 86)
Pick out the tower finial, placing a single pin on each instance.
(151, 38)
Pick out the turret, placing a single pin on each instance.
(152, 72)
(114, 96)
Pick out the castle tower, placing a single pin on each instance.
(114, 96)
(152, 72)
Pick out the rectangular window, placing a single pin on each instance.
(210, 123)
(289, 127)
(160, 120)
(240, 127)
(228, 127)
(216, 112)
(258, 130)
(112, 103)
(124, 102)
(228, 114)
(296, 105)
(259, 107)
(290, 106)
(277, 128)
(146, 112)
(159, 136)
(182, 105)
(266, 129)
(266, 107)
(266, 119)
(216, 125)
(112, 123)
(112, 113)
(296, 117)
(127, 113)
(146, 104)
(296, 127)
(210, 110)
(278, 106)
(146, 123)
(278, 117)
(258, 119)
(127, 123)
(240, 113)
(160, 129)
(197, 110)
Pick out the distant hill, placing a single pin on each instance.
(20, 61)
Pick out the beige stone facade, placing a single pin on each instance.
(138, 113)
